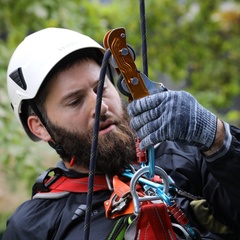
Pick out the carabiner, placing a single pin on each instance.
(136, 177)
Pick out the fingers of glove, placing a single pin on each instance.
(144, 118)
(165, 133)
(166, 111)
(147, 142)
(166, 127)
(149, 128)
(144, 104)
(153, 138)
(170, 122)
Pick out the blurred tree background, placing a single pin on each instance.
(192, 45)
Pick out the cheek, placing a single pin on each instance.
(81, 120)
(115, 101)
(116, 107)
(77, 121)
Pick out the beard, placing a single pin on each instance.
(115, 150)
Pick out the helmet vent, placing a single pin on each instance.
(17, 77)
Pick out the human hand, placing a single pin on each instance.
(174, 116)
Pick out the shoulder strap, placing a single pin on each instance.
(78, 184)
(53, 180)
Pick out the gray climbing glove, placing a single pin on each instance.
(174, 116)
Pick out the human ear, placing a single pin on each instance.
(37, 128)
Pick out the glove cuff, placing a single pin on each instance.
(207, 128)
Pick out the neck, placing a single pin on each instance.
(76, 168)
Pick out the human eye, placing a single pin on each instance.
(74, 102)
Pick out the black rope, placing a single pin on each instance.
(144, 37)
(93, 158)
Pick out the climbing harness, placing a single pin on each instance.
(139, 211)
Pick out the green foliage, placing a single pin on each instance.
(193, 44)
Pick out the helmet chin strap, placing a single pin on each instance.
(58, 148)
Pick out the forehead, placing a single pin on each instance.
(80, 74)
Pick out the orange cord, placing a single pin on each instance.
(72, 161)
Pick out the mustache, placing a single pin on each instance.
(104, 117)
(104, 121)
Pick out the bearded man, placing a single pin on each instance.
(52, 81)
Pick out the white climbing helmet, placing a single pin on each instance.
(34, 58)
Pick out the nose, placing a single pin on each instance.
(104, 106)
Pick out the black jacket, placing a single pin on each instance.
(216, 180)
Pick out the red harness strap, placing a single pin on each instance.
(154, 223)
(78, 184)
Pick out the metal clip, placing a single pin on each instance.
(137, 177)
(119, 203)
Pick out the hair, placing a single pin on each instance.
(66, 63)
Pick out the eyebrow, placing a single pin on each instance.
(78, 92)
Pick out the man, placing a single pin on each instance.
(52, 82)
